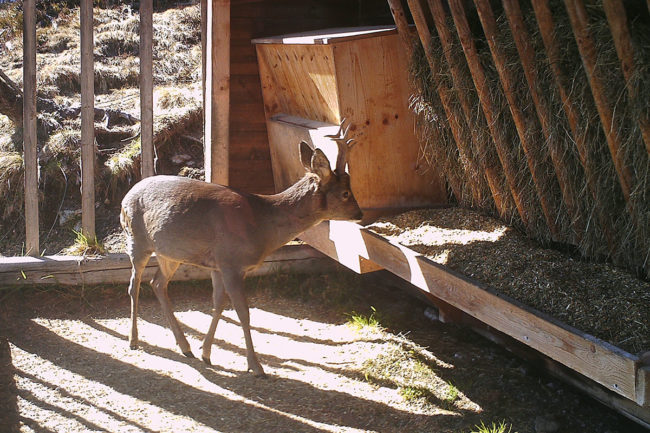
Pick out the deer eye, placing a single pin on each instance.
(345, 195)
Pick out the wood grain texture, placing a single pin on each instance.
(146, 88)
(87, 121)
(30, 144)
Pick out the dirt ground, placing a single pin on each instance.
(66, 366)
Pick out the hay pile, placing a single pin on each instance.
(602, 225)
(596, 298)
(177, 108)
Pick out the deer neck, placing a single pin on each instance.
(295, 209)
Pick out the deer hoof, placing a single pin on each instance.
(189, 354)
(133, 346)
(206, 360)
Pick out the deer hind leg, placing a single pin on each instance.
(234, 285)
(139, 261)
(166, 269)
(218, 302)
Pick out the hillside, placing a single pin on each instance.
(177, 115)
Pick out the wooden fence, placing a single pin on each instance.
(215, 24)
(523, 136)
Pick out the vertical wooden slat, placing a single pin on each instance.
(87, 121)
(489, 110)
(204, 44)
(444, 93)
(579, 23)
(544, 114)
(546, 26)
(146, 88)
(523, 123)
(491, 172)
(29, 128)
(617, 19)
(217, 91)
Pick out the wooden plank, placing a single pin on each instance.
(328, 36)
(552, 48)
(217, 88)
(373, 88)
(579, 22)
(608, 365)
(87, 121)
(299, 80)
(643, 386)
(116, 268)
(447, 99)
(30, 145)
(480, 82)
(617, 19)
(523, 122)
(544, 114)
(492, 172)
(146, 88)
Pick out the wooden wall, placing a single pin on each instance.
(250, 160)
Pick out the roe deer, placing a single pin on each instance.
(189, 221)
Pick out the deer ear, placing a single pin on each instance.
(321, 166)
(306, 153)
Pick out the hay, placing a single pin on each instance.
(597, 212)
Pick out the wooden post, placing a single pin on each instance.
(617, 20)
(402, 24)
(500, 196)
(579, 23)
(480, 82)
(216, 113)
(147, 163)
(87, 121)
(30, 144)
(527, 56)
(522, 122)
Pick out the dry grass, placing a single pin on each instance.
(598, 210)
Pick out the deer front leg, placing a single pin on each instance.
(234, 284)
(218, 302)
(166, 269)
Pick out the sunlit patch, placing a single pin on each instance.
(88, 379)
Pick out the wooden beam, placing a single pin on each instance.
(30, 145)
(87, 121)
(492, 172)
(580, 24)
(146, 88)
(617, 19)
(523, 123)
(116, 268)
(216, 111)
(544, 114)
(608, 365)
(489, 110)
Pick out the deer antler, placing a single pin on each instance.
(344, 145)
